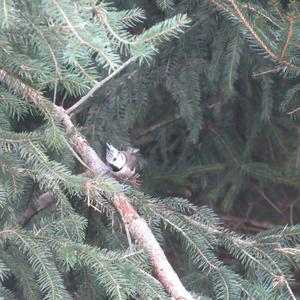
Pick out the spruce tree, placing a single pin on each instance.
(204, 89)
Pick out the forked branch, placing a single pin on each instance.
(136, 225)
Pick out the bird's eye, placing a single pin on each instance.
(114, 159)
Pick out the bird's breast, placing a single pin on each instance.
(125, 172)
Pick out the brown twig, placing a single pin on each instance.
(157, 126)
(97, 86)
(221, 6)
(265, 197)
(251, 30)
(45, 200)
(293, 111)
(261, 13)
(42, 202)
(255, 225)
(290, 251)
(266, 72)
(288, 39)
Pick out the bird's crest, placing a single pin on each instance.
(111, 153)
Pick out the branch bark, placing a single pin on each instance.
(137, 226)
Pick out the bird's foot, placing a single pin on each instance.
(135, 180)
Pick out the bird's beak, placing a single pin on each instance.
(110, 147)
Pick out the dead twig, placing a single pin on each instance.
(97, 86)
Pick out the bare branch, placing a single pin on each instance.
(97, 86)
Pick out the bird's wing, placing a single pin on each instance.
(131, 159)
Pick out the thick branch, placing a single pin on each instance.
(137, 226)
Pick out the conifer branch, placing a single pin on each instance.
(90, 77)
(97, 86)
(251, 30)
(26, 91)
(288, 39)
(49, 46)
(101, 13)
(19, 86)
(63, 53)
(42, 202)
(275, 4)
(81, 40)
(221, 6)
(137, 226)
(261, 13)
(295, 5)
(243, 19)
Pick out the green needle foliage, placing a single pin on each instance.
(214, 111)
(205, 100)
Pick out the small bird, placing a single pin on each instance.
(122, 163)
